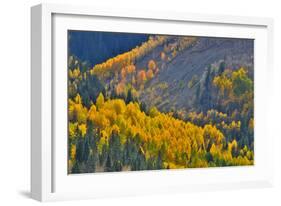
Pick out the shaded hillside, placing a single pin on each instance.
(85, 45)
(169, 89)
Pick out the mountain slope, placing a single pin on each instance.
(85, 45)
(194, 60)
(171, 102)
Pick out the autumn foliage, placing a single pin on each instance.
(109, 129)
(180, 144)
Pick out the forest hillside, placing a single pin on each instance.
(169, 102)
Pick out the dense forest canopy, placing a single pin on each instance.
(122, 116)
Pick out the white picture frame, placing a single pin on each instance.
(49, 179)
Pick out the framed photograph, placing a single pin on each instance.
(138, 102)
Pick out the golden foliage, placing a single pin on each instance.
(182, 143)
(120, 88)
(223, 83)
(149, 74)
(123, 73)
(115, 64)
(83, 129)
(76, 111)
(73, 151)
(141, 78)
(157, 131)
(72, 130)
(163, 56)
(131, 69)
(100, 101)
(151, 65)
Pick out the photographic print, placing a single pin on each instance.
(152, 102)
